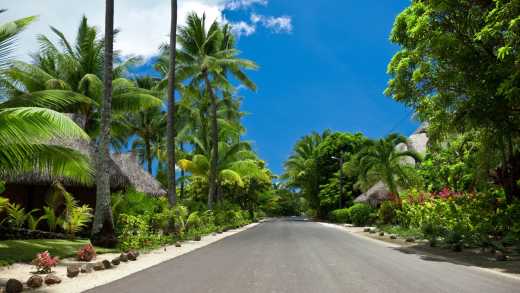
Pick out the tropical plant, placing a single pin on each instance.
(360, 214)
(44, 262)
(33, 222)
(76, 219)
(86, 253)
(17, 217)
(382, 160)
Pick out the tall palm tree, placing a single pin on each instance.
(103, 227)
(170, 135)
(383, 160)
(207, 56)
(26, 133)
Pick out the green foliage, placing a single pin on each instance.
(340, 216)
(360, 214)
(3, 203)
(76, 219)
(17, 217)
(134, 232)
(387, 212)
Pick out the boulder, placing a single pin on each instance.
(86, 269)
(393, 237)
(178, 244)
(123, 257)
(107, 264)
(52, 279)
(116, 261)
(13, 286)
(99, 266)
(500, 256)
(197, 238)
(72, 271)
(381, 233)
(366, 230)
(372, 231)
(35, 282)
(457, 247)
(410, 239)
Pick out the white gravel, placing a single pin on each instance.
(85, 282)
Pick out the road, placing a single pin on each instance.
(290, 255)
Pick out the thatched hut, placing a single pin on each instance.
(30, 189)
(378, 193)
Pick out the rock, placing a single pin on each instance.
(13, 286)
(393, 237)
(197, 238)
(500, 256)
(52, 279)
(214, 234)
(178, 244)
(86, 269)
(457, 247)
(35, 282)
(410, 239)
(116, 261)
(107, 264)
(132, 255)
(72, 271)
(123, 257)
(99, 266)
(366, 230)
(372, 231)
(381, 233)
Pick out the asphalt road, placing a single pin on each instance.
(287, 255)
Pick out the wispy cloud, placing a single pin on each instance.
(243, 28)
(242, 4)
(281, 24)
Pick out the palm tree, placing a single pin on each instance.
(170, 134)
(103, 227)
(26, 133)
(207, 56)
(383, 160)
(75, 72)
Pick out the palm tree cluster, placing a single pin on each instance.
(188, 118)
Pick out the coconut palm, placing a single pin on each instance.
(207, 56)
(26, 133)
(384, 160)
(76, 70)
(103, 227)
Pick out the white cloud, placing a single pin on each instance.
(241, 4)
(282, 24)
(144, 25)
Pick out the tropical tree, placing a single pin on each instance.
(384, 160)
(26, 133)
(206, 57)
(103, 227)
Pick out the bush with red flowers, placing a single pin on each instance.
(44, 262)
(86, 253)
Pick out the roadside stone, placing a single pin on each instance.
(107, 264)
(372, 231)
(99, 266)
(178, 244)
(132, 255)
(366, 230)
(52, 279)
(116, 261)
(410, 239)
(381, 233)
(214, 234)
(123, 257)
(86, 269)
(35, 282)
(457, 247)
(72, 271)
(500, 256)
(393, 237)
(13, 286)
(197, 238)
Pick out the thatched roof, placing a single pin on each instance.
(378, 193)
(125, 171)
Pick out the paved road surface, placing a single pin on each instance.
(287, 255)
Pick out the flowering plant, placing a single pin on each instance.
(44, 262)
(86, 253)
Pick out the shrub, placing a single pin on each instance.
(340, 216)
(134, 232)
(360, 214)
(44, 262)
(193, 221)
(86, 253)
(387, 212)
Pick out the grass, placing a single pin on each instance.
(400, 231)
(12, 251)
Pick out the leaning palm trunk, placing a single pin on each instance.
(214, 144)
(170, 139)
(103, 226)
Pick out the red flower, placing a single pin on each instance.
(44, 262)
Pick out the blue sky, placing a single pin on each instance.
(328, 72)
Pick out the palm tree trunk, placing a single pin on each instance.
(103, 226)
(214, 144)
(182, 174)
(148, 155)
(170, 135)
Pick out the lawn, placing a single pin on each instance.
(400, 231)
(12, 251)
